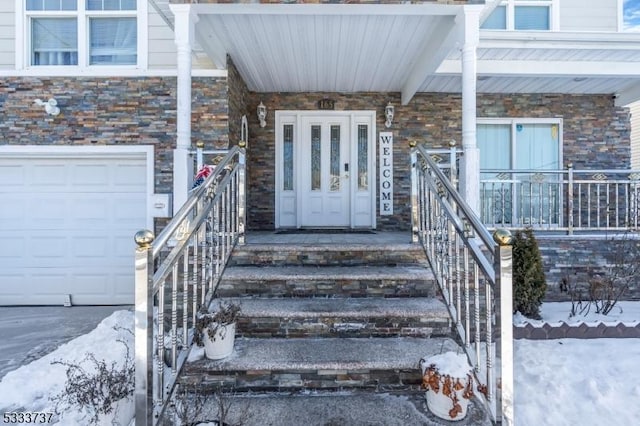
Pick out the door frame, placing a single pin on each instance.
(293, 199)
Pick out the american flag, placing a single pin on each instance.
(200, 177)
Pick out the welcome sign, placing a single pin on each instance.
(386, 173)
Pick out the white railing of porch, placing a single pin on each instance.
(474, 273)
(177, 273)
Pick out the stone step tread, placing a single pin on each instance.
(424, 307)
(266, 273)
(330, 247)
(335, 354)
(334, 408)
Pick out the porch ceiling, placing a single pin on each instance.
(405, 48)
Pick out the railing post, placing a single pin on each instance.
(453, 165)
(199, 155)
(242, 193)
(570, 199)
(414, 193)
(143, 331)
(503, 267)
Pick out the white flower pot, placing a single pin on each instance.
(222, 345)
(456, 367)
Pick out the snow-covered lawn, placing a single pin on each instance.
(557, 382)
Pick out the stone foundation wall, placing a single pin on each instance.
(580, 259)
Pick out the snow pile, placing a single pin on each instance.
(448, 364)
(30, 387)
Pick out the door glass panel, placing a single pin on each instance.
(335, 159)
(316, 163)
(363, 160)
(287, 155)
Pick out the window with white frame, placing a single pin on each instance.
(523, 15)
(519, 161)
(81, 32)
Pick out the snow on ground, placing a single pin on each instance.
(30, 387)
(627, 313)
(557, 382)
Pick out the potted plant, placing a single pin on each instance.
(448, 381)
(216, 330)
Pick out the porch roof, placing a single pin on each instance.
(405, 48)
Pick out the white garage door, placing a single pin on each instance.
(67, 226)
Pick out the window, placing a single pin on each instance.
(516, 157)
(524, 15)
(82, 32)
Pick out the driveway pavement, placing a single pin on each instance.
(28, 333)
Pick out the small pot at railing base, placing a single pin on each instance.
(221, 346)
(448, 382)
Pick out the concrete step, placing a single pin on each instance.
(345, 408)
(328, 254)
(275, 364)
(327, 281)
(342, 317)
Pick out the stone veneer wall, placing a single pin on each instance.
(112, 111)
(595, 135)
(238, 98)
(580, 258)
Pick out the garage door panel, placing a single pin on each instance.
(43, 248)
(127, 208)
(47, 211)
(70, 228)
(125, 175)
(49, 175)
(13, 176)
(90, 247)
(13, 208)
(12, 247)
(88, 175)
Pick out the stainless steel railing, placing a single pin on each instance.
(177, 273)
(564, 200)
(474, 273)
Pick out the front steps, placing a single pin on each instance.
(325, 323)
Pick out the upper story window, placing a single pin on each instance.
(81, 32)
(521, 15)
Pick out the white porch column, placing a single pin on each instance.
(470, 169)
(185, 21)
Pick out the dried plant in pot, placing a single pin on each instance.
(216, 330)
(448, 381)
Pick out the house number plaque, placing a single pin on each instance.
(326, 104)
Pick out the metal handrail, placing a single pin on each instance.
(184, 265)
(561, 200)
(474, 273)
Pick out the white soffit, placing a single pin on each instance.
(337, 48)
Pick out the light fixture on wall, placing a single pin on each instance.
(262, 114)
(50, 106)
(389, 111)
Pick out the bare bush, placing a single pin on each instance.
(96, 386)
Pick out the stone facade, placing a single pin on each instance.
(595, 135)
(238, 98)
(579, 259)
(113, 111)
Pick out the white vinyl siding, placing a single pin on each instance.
(635, 135)
(162, 47)
(589, 15)
(7, 34)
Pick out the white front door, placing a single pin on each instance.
(324, 164)
(324, 169)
